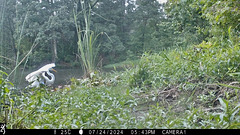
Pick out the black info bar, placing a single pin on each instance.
(120, 131)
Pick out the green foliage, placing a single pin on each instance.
(228, 119)
(205, 62)
(221, 15)
(159, 117)
(73, 108)
(146, 35)
(7, 101)
(141, 76)
(218, 17)
(109, 18)
(185, 22)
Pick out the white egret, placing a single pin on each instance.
(42, 76)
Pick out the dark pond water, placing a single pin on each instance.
(62, 76)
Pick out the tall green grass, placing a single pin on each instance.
(2, 14)
(87, 49)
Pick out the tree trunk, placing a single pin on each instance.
(54, 49)
(54, 40)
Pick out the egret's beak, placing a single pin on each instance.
(53, 70)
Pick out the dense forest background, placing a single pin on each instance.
(37, 32)
(46, 29)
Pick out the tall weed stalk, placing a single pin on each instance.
(20, 33)
(87, 50)
(2, 13)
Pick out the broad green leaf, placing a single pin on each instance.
(127, 92)
(223, 103)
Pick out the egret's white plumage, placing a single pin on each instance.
(49, 77)
(41, 76)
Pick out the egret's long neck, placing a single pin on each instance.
(48, 76)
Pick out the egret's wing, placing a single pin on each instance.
(33, 76)
(47, 67)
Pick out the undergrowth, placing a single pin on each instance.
(206, 62)
(200, 84)
(197, 87)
